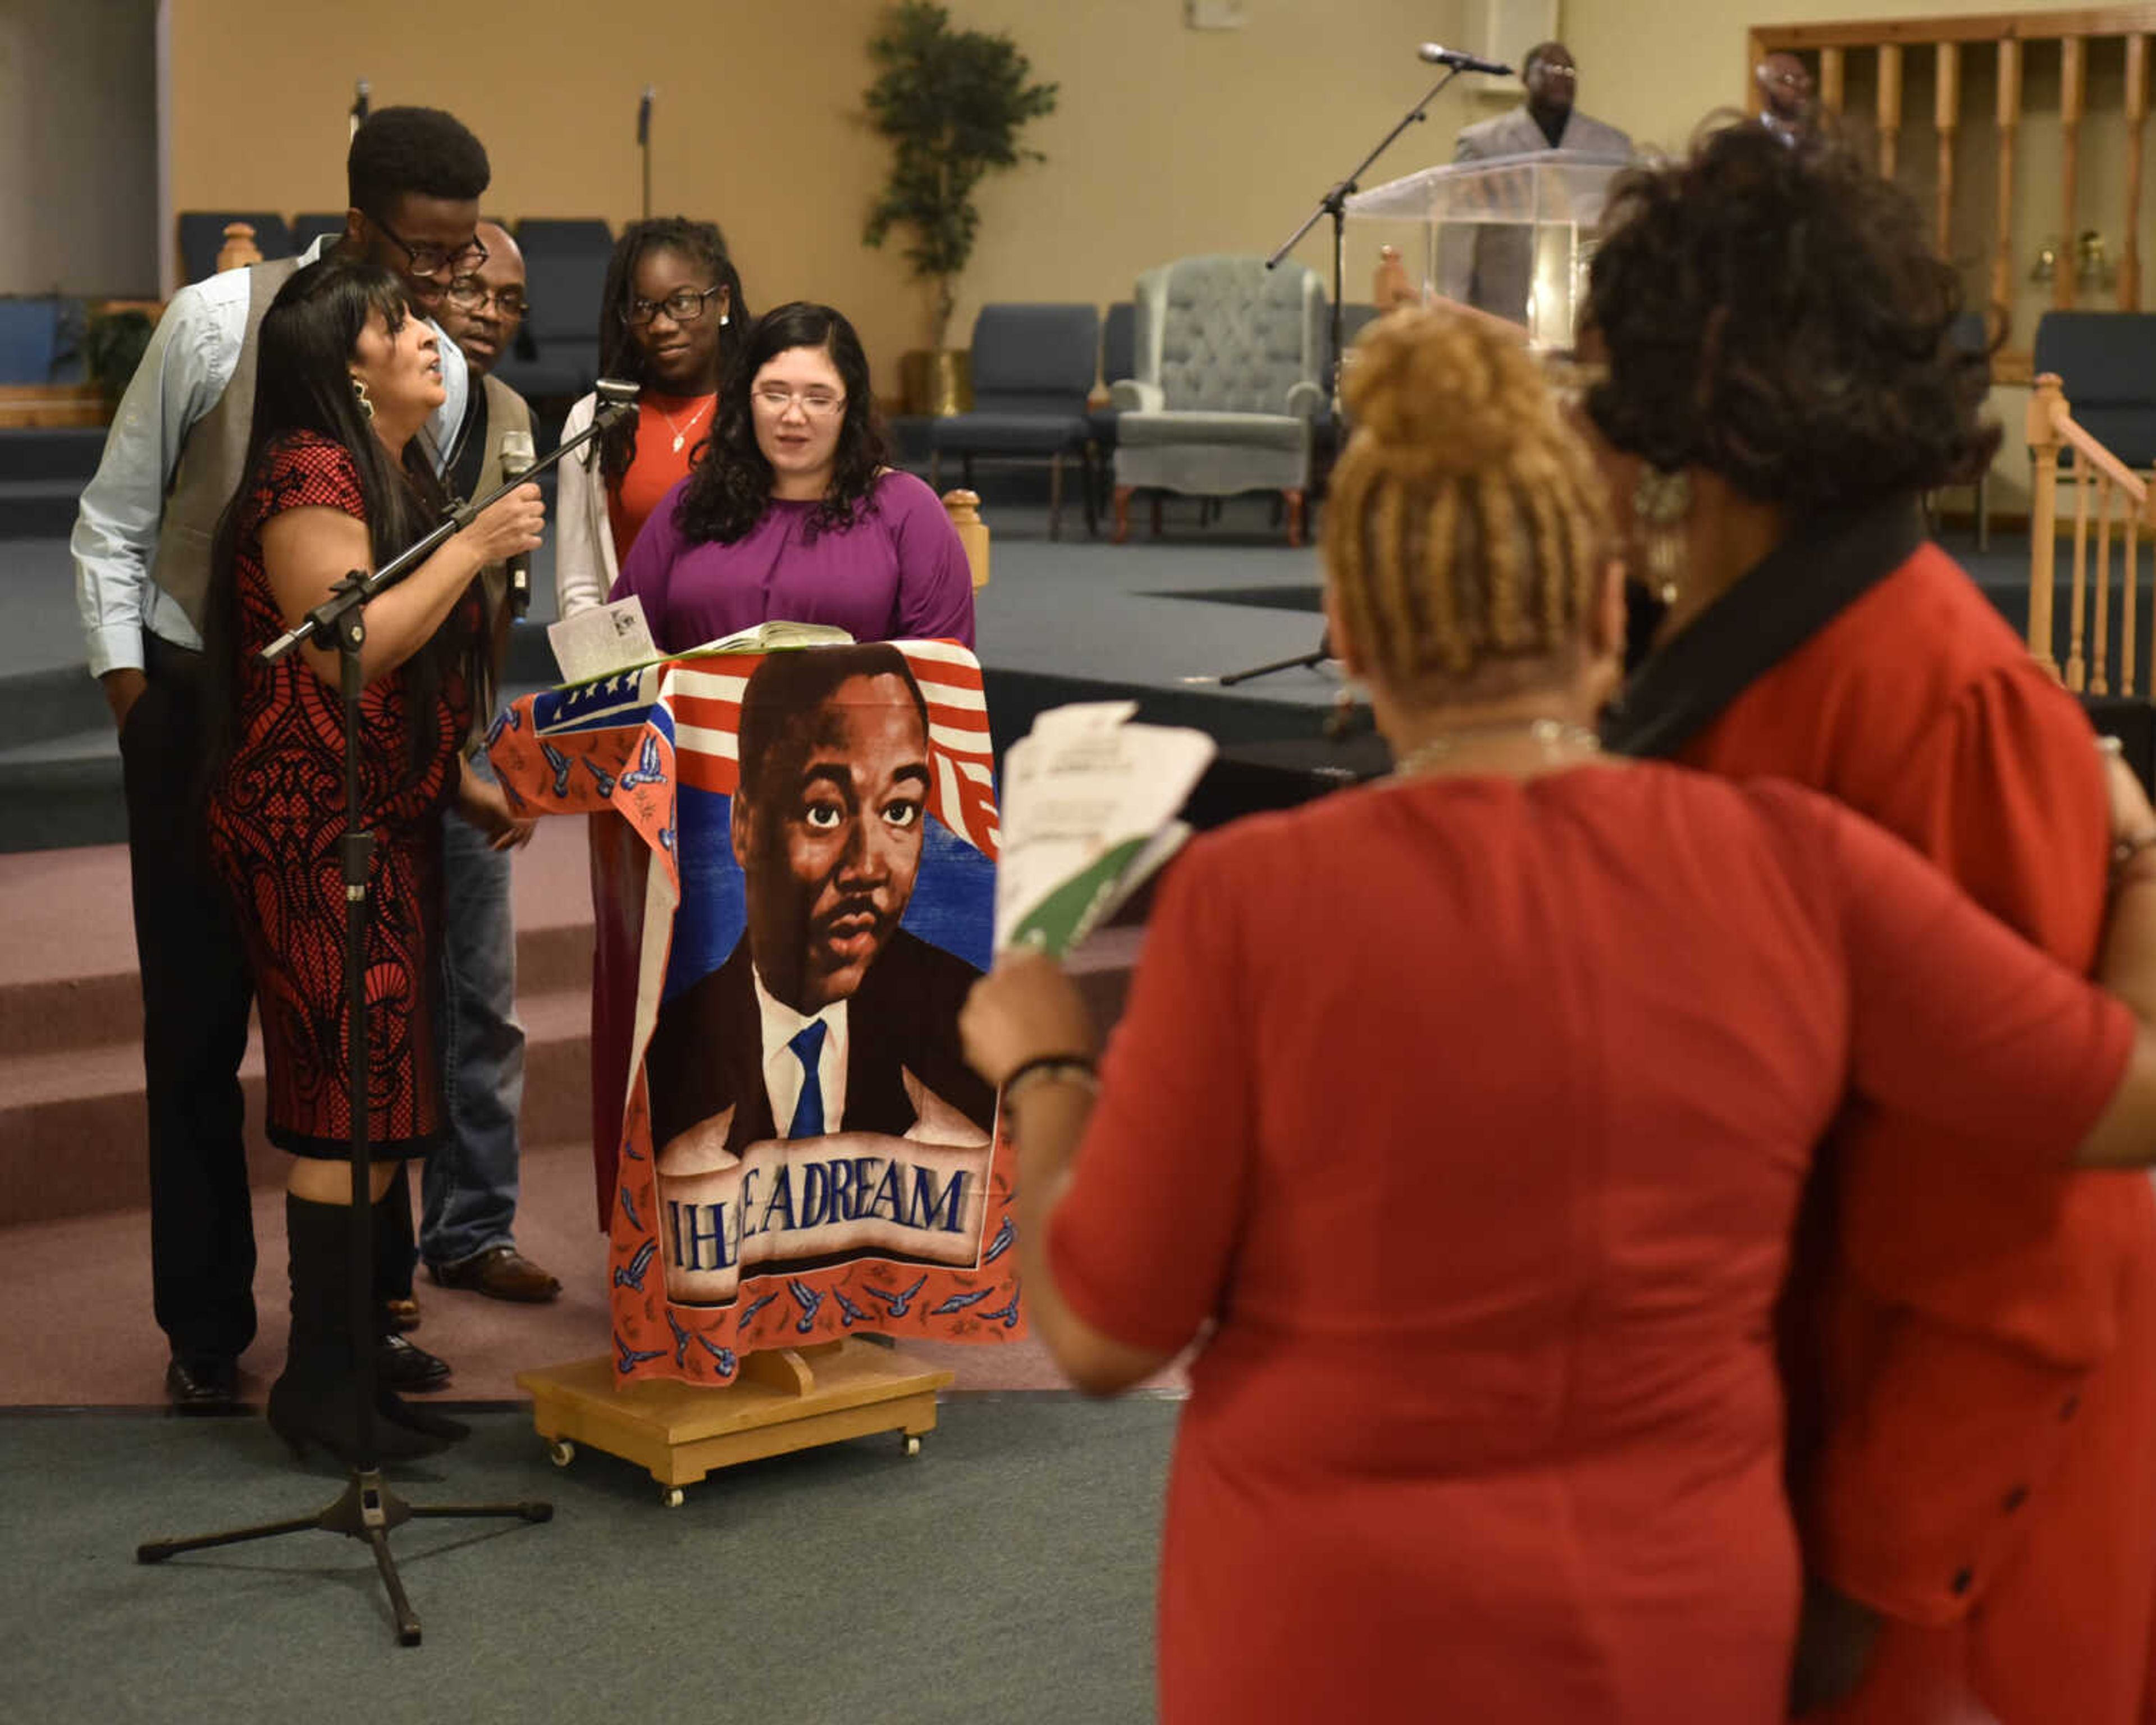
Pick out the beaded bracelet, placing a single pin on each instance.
(1052, 1069)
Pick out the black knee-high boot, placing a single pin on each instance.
(396, 1203)
(395, 1253)
(315, 1399)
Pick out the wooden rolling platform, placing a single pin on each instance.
(783, 1400)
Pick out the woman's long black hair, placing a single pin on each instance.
(303, 383)
(730, 486)
(620, 356)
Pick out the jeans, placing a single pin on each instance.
(197, 990)
(470, 1186)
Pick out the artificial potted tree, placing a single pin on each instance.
(953, 103)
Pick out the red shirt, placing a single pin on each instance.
(658, 466)
(1974, 1389)
(1474, 1114)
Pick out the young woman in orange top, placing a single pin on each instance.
(673, 315)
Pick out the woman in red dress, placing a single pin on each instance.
(335, 481)
(1972, 1364)
(1464, 1117)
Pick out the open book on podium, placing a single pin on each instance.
(1511, 236)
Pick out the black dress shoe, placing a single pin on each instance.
(202, 1386)
(405, 1366)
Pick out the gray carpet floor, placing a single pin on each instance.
(1006, 1574)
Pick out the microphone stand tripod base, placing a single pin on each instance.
(366, 1510)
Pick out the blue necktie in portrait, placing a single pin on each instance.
(808, 1046)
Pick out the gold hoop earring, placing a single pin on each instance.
(366, 401)
(1661, 503)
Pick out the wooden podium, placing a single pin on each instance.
(784, 1399)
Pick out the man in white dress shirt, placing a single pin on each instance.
(141, 547)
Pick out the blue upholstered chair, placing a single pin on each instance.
(565, 265)
(2108, 361)
(309, 229)
(1970, 335)
(1033, 369)
(202, 238)
(1119, 342)
(1230, 363)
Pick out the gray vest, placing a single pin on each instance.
(212, 461)
(506, 411)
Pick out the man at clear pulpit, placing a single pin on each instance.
(1491, 266)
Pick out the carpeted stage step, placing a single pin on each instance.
(72, 1122)
(57, 452)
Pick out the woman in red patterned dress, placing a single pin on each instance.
(1464, 1116)
(337, 479)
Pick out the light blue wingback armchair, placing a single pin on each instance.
(1230, 368)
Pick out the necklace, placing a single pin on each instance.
(681, 432)
(1550, 734)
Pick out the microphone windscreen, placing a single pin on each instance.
(517, 453)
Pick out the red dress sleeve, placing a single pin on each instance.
(1956, 1022)
(1140, 1242)
(307, 472)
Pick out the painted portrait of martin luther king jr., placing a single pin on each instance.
(827, 1017)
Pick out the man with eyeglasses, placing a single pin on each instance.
(143, 541)
(470, 1184)
(1490, 265)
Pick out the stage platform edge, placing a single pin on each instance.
(784, 1399)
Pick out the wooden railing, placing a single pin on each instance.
(1957, 52)
(2119, 495)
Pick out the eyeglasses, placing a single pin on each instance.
(468, 293)
(816, 404)
(429, 262)
(684, 305)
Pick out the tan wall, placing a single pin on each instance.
(1657, 71)
(1166, 142)
(78, 146)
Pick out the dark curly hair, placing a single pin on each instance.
(729, 488)
(1777, 314)
(407, 150)
(701, 243)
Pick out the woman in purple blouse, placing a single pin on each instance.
(793, 513)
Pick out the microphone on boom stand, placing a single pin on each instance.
(517, 458)
(1436, 54)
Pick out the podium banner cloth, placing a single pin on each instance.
(796, 850)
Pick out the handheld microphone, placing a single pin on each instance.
(644, 115)
(518, 457)
(1436, 54)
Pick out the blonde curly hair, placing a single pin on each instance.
(1467, 527)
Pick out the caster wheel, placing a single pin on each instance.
(910, 1445)
(671, 1496)
(561, 1451)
